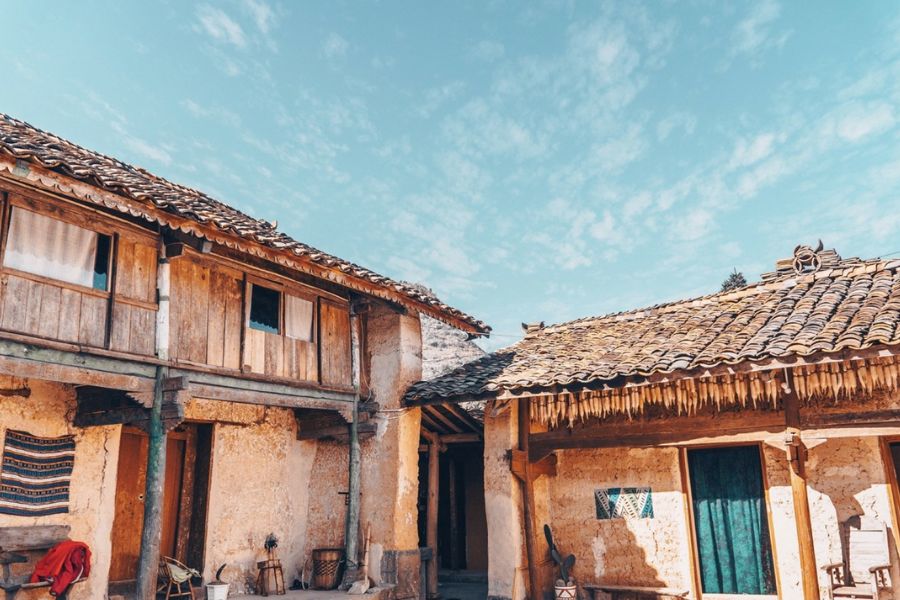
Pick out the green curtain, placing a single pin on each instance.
(730, 521)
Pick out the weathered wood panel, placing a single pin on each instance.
(120, 337)
(274, 353)
(334, 323)
(48, 326)
(136, 270)
(301, 360)
(223, 338)
(255, 350)
(134, 329)
(143, 331)
(70, 313)
(215, 333)
(179, 288)
(199, 310)
(52, 311)
(92, 325)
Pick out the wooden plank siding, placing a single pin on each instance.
(134, 305)
(209, 304)
(334, 326)
(213, 328)
(39, 306)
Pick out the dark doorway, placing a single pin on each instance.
(462, 525)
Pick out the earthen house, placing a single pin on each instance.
(219, 381)
(743, 444)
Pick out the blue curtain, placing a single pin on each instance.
(730, 521)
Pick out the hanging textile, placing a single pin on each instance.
(298, 318)
(46, 246)
(35, 474)
(730, 521)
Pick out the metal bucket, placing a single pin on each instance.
(327, 568)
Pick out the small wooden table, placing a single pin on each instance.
(270, 569)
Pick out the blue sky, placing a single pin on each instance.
(540, 161)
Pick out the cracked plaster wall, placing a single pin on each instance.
(48, 412)
(643, 552)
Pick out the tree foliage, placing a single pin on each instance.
(734, 281)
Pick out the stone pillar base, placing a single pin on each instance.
(402, 568)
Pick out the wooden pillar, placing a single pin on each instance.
(796, 454)
(534, 592)
(351, 534)
(148, 559)
(453, 509)
(431, 526)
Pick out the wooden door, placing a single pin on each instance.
(128, 522)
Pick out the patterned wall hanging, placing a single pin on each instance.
(624, 503)
(35, 474)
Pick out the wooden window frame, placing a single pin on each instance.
(687, 498)
(280, 316)
(64, 215)
(283, 288)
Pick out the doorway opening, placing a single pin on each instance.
(453, 436)
(731, 527)
(185, 499)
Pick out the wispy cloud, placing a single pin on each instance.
(756, 32)
(219, 26)
(488, 50)
(864, 120)
(335, 46)
(217, 113)
(683, 121)
(437, 97)
(262, 14)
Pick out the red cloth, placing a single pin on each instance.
(63, 564)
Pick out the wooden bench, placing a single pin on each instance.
(630, 592)
(20, 546)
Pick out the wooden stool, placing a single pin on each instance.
(270, 569)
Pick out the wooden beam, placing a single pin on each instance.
(78, 368)
(544, 466)
(461, 438)
(814, 420)
(238, 389)
(643, 434)
(436, 416)
(431, 525)
(534, 592)
(796, 452)
(338, 432)
(463, 416)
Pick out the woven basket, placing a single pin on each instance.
(327, 568)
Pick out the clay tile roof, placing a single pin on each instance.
(818, 303)
(27, 143)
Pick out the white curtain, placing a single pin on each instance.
(298, 315)
(45, 246)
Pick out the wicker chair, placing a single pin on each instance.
(865, 569)
(173, 575)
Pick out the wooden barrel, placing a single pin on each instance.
(327, 567)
